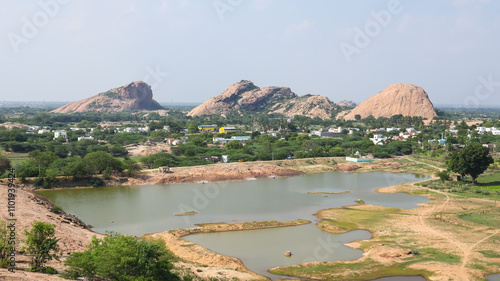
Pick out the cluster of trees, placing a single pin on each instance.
(118, 257)
(47, 166)
(394, 121)
(114, 257)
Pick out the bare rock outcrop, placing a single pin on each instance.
(244, 96)
(134, 96)
(404, 99)
(308, 105)
(347, 103)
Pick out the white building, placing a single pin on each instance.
(60, 133)
(378, 139)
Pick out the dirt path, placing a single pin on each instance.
(463, 275)
(453, 241)
(419, 162)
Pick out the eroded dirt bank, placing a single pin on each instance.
(214, 173)
(29, 208)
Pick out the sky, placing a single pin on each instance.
(191, 50)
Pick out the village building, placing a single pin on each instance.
(225, 130)
(206, 128)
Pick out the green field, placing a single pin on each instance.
(16, 158)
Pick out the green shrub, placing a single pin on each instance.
(56, 209)
(96, 182)
(37, 182)
(443, 175)
(49, 270)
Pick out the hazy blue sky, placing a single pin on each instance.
(67, 50)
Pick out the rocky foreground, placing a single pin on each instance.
(73, 235)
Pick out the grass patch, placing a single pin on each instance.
(432, 254)
(364, 270)
(16, 158)
(342, 226)
(493, 179)
(192, 213)
(488, 219)
(210, 224)
(490, 254)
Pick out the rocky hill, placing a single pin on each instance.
(244, 96)
(404, 99)
(347, 103)
(134, 96)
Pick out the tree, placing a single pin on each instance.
(4, 164)
(472, 160)
(42, 244)
(357, 117)
(234, 145)
(100, 160)
(192, 128)
(75, 167)
(118, 257)
(131, 166)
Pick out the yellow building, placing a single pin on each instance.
(224, 130)
(207, 128)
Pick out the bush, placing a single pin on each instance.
(49, 270)
(118, 257)
(37, 182)
(381, 154)
(443, 175)
(96, 182)
(56, 209)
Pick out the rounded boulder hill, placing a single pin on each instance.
(404, 99)
(244, 97)
(134, 96)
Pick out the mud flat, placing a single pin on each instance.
(433, 241)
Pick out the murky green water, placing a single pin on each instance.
(262, 249)
(137, 210)
(493, 277)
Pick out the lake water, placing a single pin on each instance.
(493, 277)
(262, 249)
(137, 210)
